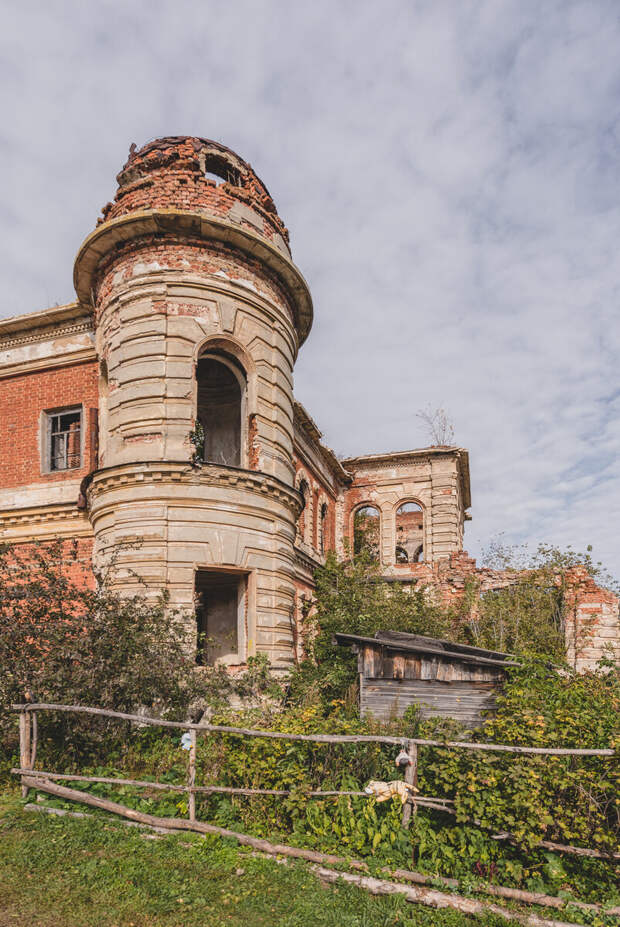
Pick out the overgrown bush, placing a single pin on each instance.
(350, 598)
(62, 641)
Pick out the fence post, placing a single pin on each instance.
(411, 778)
(25, 755)
(191, 778)
(34, 739)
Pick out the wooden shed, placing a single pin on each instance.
(442, 678)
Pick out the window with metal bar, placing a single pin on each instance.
(64, 445)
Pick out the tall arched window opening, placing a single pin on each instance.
(322, 527)
(303, 530)
(221, 400)
(409, 533)
(367, 531)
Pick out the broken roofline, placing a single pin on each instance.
(435, 450)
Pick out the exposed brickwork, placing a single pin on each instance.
(77, 560)
(172, 173)
(592, 621)
(186, 256)
(23, 398)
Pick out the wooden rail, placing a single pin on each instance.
(316, 738)
(28, 736)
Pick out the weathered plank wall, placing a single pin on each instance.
(440, 684)
(389, 698)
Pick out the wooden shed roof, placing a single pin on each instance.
(400, 642)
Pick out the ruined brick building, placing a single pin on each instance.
(154, 416)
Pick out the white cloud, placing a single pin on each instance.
(450, 176)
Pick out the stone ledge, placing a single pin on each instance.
(184, 473)
(195, 224)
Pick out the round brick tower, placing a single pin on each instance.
(199, 314)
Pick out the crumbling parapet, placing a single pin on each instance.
(591, 613)
(592, 622)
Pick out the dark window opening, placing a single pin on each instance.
(220, 400)
(366, 531)
(64, 440)
(304, 489)
(409, 523)
(322, 525)
(220, 599)
(219, 170)
(401, 555)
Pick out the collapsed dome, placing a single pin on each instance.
(201, 176)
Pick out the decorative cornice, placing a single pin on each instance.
(43, 319)
(47, 333)
(308, 557)
(310, 431)
(44, 515)
(181, 473)
(197, 225)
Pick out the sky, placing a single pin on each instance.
(449, 172)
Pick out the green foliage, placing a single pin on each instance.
(528, 616)
(197, 440)
(351, 599)
(63, 642)
(97, 873)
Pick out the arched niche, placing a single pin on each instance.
(409, 533)
(221, 396)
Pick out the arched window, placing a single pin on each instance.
(220, 408)
(409, 533)
(304, 489)
(401, 555)
(366, 531)
(322, 527)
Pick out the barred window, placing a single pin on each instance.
(64, 440)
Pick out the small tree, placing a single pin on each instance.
(438, 426)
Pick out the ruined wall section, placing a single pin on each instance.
(437, 479)
(592, 630)
(197, 175)
(592, 619)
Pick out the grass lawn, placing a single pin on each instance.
(65, 872)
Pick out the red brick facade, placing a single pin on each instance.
(23, 400)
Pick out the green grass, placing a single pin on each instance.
(68, 872)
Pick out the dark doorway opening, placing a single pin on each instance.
(220, 605)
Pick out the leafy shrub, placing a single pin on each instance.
(62, 641)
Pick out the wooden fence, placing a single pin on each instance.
(43, 780)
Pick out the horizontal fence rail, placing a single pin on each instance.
(224, 789)
(315, 738)
(43, 780)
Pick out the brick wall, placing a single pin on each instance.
(77, 559)
(22, 400)
(172, 173)
(592, 614)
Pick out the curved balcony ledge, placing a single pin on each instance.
(195, 224)
(180, 473)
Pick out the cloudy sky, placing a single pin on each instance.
(450, 175)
